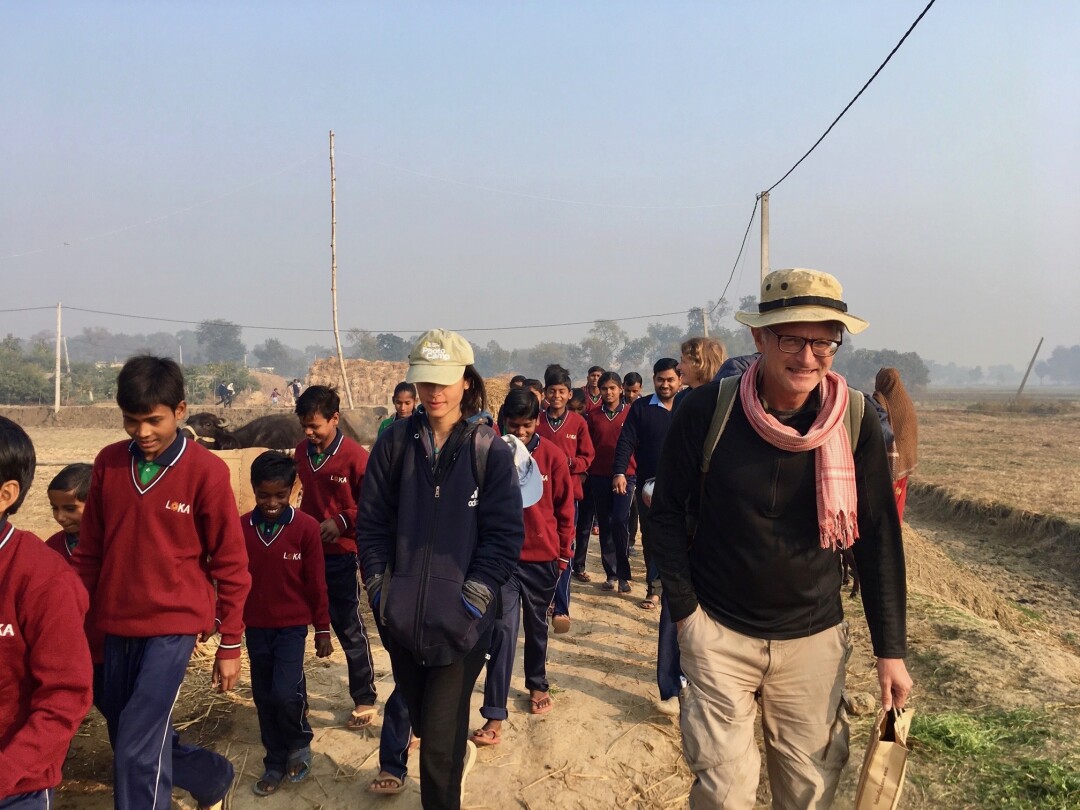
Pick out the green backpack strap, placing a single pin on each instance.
(725, 399)
(854, 415)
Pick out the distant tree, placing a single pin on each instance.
(273, 354)
(362, 344)
(975, 375)
(1063, 365)
(666, 339)
(860, 367)
(491, 359)
(21, 381)
(391, 347)
(603, 342)
(635, 353)
(533, 361)
(220, 341)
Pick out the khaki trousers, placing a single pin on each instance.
(799, 684)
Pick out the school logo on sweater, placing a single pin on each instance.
(6, 630)
(179, 508)
(296, 555)
(339, 479)
(571, 435)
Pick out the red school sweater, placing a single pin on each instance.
(590, 403)
(604, 429)
(45, 671)
(549, 523)
(59, 543)
(151, 554)
(288, 576)
(332, 487)
(571, 435)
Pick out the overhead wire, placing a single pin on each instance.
(856, 98)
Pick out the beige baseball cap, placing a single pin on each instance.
(439, 357)
(799, 295)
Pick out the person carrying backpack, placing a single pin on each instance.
(754, 586)
(439, 533)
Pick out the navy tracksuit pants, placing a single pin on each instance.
(343, 590)
(583, 523)
(38, 800)
(525, 598)
(279, 688)
(561, 600)
(142, 678)
(613, 517)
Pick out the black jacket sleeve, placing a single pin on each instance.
(879, 551)
(376, 521)
(678, 479)
(628, 439)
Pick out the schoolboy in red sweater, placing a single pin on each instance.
(549, 532)
(569, 432)
(288, 592)
(45, 669)
(160, 543)
(612, 509)
(591, 389)
(331, 468)
(67, 493)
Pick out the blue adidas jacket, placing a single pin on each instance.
(433, 530)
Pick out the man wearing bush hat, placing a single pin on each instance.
(755, 592)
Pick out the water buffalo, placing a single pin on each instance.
(279, 432)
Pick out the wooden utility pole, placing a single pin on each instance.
(764, 234)
(333, 271)
(705, 321)
(56, 375)
(1031, 365)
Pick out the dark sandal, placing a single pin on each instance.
(298, 765)
(650, 603)
(269, 782)
(361, 717)
(485, 736)
(541, 705)
(582, 576)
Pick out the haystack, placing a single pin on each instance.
(372, 381)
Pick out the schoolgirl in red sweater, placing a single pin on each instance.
(332, 468)
(45, 673)
(288, 593)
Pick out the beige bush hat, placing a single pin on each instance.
(799, 295)
(439, 357)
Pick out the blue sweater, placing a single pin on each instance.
(642, 437)
(432, 530)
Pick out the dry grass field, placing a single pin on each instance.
(994, 627)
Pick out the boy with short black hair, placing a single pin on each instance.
(331, 468)
(160, 543)
(549, 534)
(569, 432)
(288, 592)
(591, 389)
(67, 493)
(45, 671)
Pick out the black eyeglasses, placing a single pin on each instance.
(793, 344)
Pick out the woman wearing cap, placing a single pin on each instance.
(439, 532)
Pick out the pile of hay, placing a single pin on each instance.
(372, 381)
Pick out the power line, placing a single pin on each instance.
(736, 264)
(856, 98)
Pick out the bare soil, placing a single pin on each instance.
(991, 623)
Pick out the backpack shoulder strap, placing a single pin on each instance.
(725, 399)
(854, 415)
(482, 440)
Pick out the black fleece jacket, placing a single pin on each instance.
(756, 564)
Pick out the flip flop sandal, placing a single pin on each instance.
(541, 705)
(582, 576)
(269, 782)
(624, 587)
(361, 717)
(386, 784)
(486, 736)
(650, 603)
(298, 765)
(609, 585)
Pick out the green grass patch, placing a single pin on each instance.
(1035, 407)
(995, 757)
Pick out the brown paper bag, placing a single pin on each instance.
(882, 776)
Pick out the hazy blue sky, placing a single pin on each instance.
(180, 150)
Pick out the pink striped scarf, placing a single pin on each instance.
(834, 466)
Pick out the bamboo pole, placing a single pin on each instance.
(333, 271)
(56, 374)
(764, 234)
(1031, 365)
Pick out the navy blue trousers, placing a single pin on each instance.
(613, 517)
(525, 598)
(396, 731)
(583, 523)
(561, 601)
(343, 590)
(279, 688)
(38, 800)
(668, 664)
(438, 702)
(142, 678)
